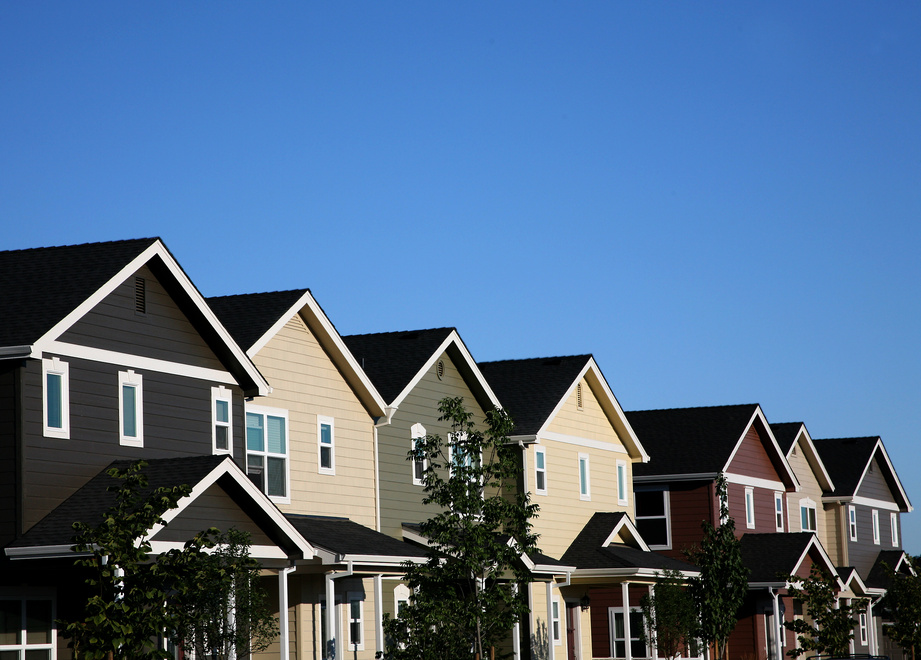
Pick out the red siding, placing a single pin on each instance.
(602, 598)
(691, 503)
(764, 509)
(752, 459)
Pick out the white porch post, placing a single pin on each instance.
(283, 633)
(516, 631)
(625, 596)
(871, 629)
(551, 655)
(653, 649)
(778, 626)
(331, 641)
(379, 613)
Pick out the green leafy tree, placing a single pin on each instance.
(830, 625)
(464, 599)
(669, 615)
(720, 589)
(903, 605)
(126, 609)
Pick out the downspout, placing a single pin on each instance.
(378, 614)
(283, 633)
(550, 585)
(377, 485)
(335, 650)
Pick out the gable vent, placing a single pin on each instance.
(579, 396)
(140, 295)
(440, 369)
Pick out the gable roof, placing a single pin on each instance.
(771, 558)
(254, 318)
(594, 551)
(53, 535)
(47, 290)
(849, 459)
(396, 361)
(340, 540)
(533, 390)
(788, 434)
(699, 443)
(895, 560)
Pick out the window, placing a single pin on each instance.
(618, 634)
(652, 519)
(622, 483)
(778, 511)
(540, 470)
(267, 450)
(585, 492)
(221, 427)
(555, 623)
(807, 515)
(863, 628)
(749, 507)
(27, 628)
(875, 517)
(894, 528)
(852, 521)
(418, 433)
(356, 621)
(56, 401)
(326, 440)
(130, 409)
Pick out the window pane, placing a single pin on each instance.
(255, 434)
(650, 503)
(539, 458)
(326, 434)
(10, 621)
(653, 530)
(583, 477)
(222, 411)
(9, 655)
(129, 411)
(326, 458)
(38, 622)
(276, 477)
(419, 470)
(35, 654)
(621, 482)
(55, 394)
(355, 607)
(275, 431)
(355, 632)
(541, 481)
(220, 437)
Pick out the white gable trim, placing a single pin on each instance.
(829, 565)
(581, 442)
(879, 447)
(812, 458)
(631, 530)
(745, 480)
(758, 414)
(255, 551)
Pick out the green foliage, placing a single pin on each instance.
(720, 589)
(903, 605)
(463, 598)
(830, 625)
(126, 610)
(669, 615)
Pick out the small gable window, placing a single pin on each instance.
(222, 429)
(778, 511)
(852, 522)
(585, 491)
(894, 528)
(875, 518)
(326, 444)
(622, 483)
(749, 507)
(419, 465)
(56, 399)
(130, 408)
(540, 470)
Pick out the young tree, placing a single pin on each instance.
(903, 604)
(723, 582)
(464, 598)
(830, 628)
(669, 615)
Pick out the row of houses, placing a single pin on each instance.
(298, 435)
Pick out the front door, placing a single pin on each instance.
(572, 630)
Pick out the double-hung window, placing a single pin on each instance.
(221, 422)
(56, 399)
(749, 507)
(807, 515)
(619, 637)
(27, 628)
(130, 408)
(875, 518)
(852, 521)
(556, 624)
(778, 511)
(355, 614)
(622, 483)
(585, 487)
(894, 528)
(651, 507)
(540, 470)
(326, 445)
(863, 628)
(419, 465)
(267, 450)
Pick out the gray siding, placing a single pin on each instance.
(874, 484)
(177, 422)
(9, 481)
(862, 552)
(163, 332)
(213, 508)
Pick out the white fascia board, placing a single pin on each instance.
(651, 573)
(227, 467)
(583, 442)
(255, 551)
(829, 564)
(814, 460)
(879, 447)
(331, 340)
(379, 560)
(864, 501)
(524, 439)
(631, 529)
(745, 480)
(758, 414)
(415, 537)
(767, 585)
(550, 569)
(663, 478)
(156, 249)
(44, 552)
(452, 338)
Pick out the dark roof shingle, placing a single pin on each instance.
(249, 316)
(845, 460)
(346, 537)
(773, 556)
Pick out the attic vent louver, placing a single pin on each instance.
(579, 396)
(140, 295)
(440, 369)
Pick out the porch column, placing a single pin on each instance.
(551, 655)
(516, 630)
(871, 629)
(283, 633)
(653, 649)
(625, 596)
(378, 613)
(777, 634)
(332, 644)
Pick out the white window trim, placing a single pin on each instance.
(24, 595)
(400, 595)
(273, 412)
(329, 421)
(667, 504)
(621, 472)
(587, 495)
(537, 470)
(417, 431)
(749, 507)
(625, 612)
(874, 514)
(778, 513)
(556, 622)
(131, 379)
(221, 393)
(355, 597)
(852, 522)
(863, 628)
(808, 503)
(56, 366)
(894, 528)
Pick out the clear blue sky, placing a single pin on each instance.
(720, 201)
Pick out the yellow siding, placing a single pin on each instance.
(307, 383)
(810, 489)
(563, 513)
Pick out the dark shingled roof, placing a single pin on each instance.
(785, 434)
(40, 286)
(845, 459)
(392, 359)
(93, 499)
(689, 440)
(587, 552)
(879, 575)
(774, 556)
(345, 537)
(248, 316)
(531, 389)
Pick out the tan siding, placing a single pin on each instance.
(810, 489)
(307, 383)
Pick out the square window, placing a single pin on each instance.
(130, 409)
(807, 512)
(56, 398)
(267, 450)
(326, 442)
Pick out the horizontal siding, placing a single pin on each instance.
(690, 504)
(874, 484)
(306, 383)
(164, 332)
(810, 489)
(9, 481)
(764, 509)
(213, 508)
(752, 459)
